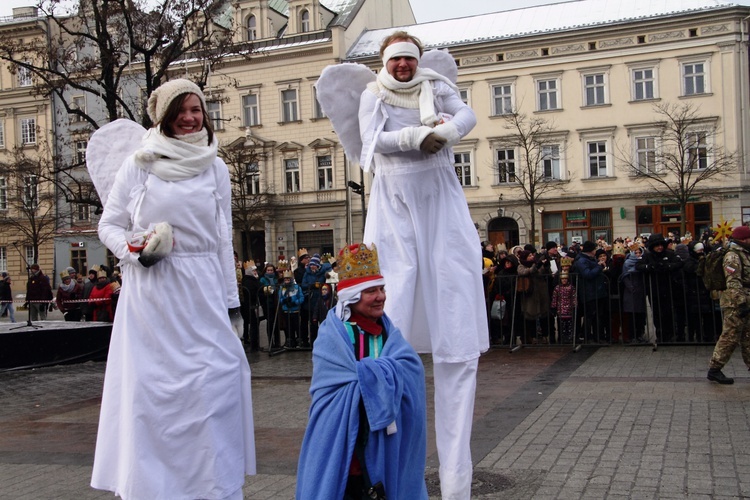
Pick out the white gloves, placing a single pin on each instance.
(410, 138)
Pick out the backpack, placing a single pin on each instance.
(711, 269)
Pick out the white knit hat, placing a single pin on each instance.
(165, 94)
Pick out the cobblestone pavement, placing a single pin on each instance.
(613, 422)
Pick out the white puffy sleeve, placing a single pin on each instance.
(226, 250)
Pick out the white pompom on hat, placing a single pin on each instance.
(165, 94)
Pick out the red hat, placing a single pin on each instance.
(741, 233)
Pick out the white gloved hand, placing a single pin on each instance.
(158, 244)
(449, 131)
(235, 318)
(410, 138)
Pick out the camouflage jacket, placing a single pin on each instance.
(737, 274)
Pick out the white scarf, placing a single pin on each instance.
(416, 93)
(176, 159)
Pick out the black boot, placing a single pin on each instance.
(717, 375)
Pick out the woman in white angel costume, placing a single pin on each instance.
(406, 120)
(176, 418)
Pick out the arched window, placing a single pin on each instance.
(305, 21)
(252, 34)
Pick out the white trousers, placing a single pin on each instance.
(455, 387)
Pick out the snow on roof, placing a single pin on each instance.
(535, 20)
(340, 7)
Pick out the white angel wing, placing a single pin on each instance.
(440, 61)
(339, 89)
(107, 149)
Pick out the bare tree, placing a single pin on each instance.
(678, 156)
(111, 55)
(106, 44)
(535, 173)
(29, 199)
(251, 204)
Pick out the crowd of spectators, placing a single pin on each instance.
(646, 289)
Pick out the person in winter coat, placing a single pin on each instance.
(506, 275)
(563, 306)
(269, 302)
(535, 300)
(176, 415)
(633, 297)
(312, 281)
(325, 304)
(659, 266)
(290, 300)
(39, 293)
(68, 292)
(100, 299)
(6, 297)
(593, 293)
(703, 320)
(251, 288)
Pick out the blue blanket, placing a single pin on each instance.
(392, 389)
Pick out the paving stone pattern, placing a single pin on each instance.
(614, 422)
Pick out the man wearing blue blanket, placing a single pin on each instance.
(366, 433)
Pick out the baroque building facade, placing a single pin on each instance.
(592, 76)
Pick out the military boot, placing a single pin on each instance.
(717, 375)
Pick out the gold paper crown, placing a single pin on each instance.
(634, 246)
(326, 257)
(358, 262)
(248, 264)
(301, 252)
(283, 265)
(618, 249)
(566, 262)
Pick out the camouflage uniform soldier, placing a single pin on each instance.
(735, 306)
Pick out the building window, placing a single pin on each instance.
(644, 84)
(697, 150)
(2, 134)
(252, 178)
(506, 166)
(317, 110)
(28, 250)
(24, 76)
(325, 172)
(594, 87)
(464, 95)
(112, 260)
(3, 193)
(78, 261)
(551, 161)
(305, 21)
(462, 164)
(597, 157)
(645, 155)
(4, 259)
(213, 108)
(291, 169)
(694, 78)
(289, 105)
(30, 192)
(547, 94)
(502, 99)
(78, 103)
(250, 115)
(252, 33)
(577, 225)
(82, 212)
(81, 151)
(28, 131)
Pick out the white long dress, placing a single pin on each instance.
(428, 247)
(176, 419)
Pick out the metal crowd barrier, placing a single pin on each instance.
(641, 308)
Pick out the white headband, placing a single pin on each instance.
(400, 49)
